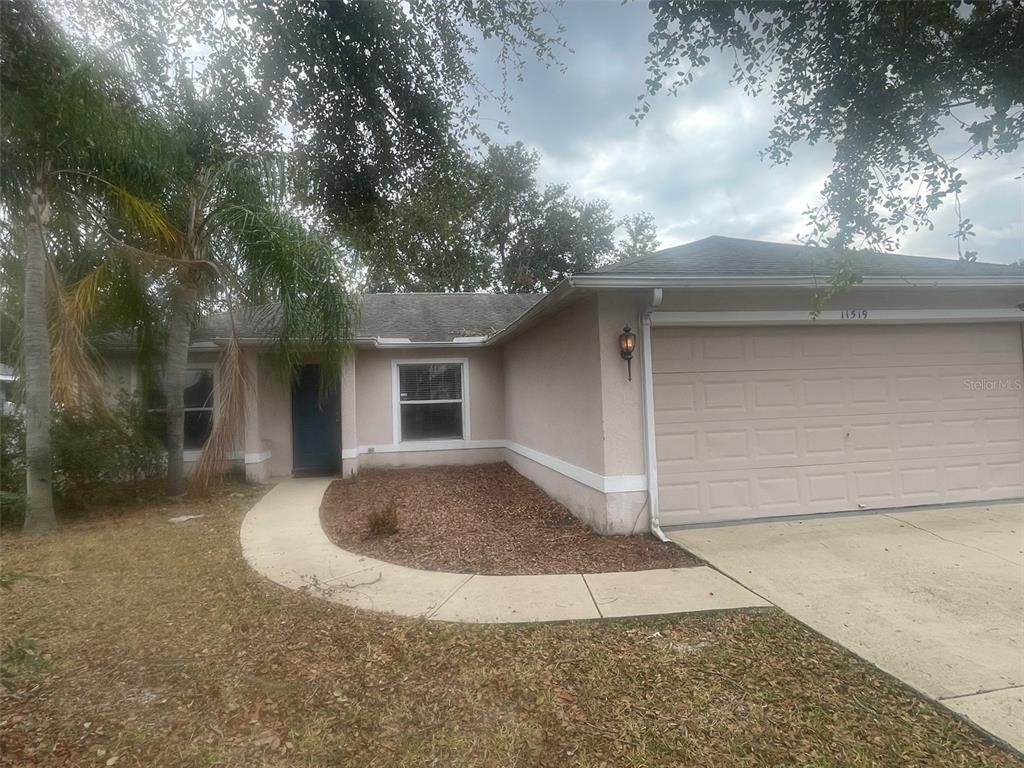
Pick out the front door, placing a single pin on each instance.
(316, 441)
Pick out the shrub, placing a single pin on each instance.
(97, 458)
(383, 522)
(103, 457)
(12, 452)
(12, 508)
(12, 468)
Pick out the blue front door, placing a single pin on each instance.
(316, 439)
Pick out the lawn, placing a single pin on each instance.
(132, 641)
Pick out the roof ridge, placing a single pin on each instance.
(816, 254)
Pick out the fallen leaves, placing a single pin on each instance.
(167, 650)
(485, 519)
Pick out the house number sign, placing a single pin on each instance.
(853, 314)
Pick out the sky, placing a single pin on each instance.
(694, 161)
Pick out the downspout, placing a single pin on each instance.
(650, 448)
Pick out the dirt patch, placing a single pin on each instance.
(480, 519)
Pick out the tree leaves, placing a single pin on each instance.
(470, 225)
(879, 81)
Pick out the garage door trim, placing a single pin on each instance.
(841, 317)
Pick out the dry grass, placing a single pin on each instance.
(485, 518)
(154, 644)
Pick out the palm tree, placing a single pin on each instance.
(68, 127)
(237, 239)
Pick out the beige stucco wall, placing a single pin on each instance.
(374, 395)
(275, 414)
(568, 397)
(118, 375)
(622, 410)
(553, 387)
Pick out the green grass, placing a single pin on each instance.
(155, 644)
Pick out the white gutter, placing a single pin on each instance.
(650, 446)
(662, 280)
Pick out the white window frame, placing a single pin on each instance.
(396, 401)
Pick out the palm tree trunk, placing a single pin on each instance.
(179, 338)
(39, 514)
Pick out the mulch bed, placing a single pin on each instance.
(480, 519)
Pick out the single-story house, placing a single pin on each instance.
(739, 402)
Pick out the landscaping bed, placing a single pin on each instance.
(138, 642)
(485, 519)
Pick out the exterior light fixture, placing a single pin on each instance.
(627, 343)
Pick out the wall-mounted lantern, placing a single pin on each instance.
(627, 343)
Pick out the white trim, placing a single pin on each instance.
(602, 483)
(839, 317)
(650, 441)
(257, 458)
(414, 446)
(669, 280)
(192, 455)
(396, 402)
(460, 342)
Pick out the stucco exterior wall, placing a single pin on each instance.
(374, 392)
(118, 376)
(567, 397)
(275, 415)
(553, 387)
(622, 410)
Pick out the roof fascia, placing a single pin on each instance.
(655, 280)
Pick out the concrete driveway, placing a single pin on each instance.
(933, 596)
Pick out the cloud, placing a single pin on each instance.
(694, 162)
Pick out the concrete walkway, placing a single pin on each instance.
(282, 539)
(934, 596)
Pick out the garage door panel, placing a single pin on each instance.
(737, 444)
(763, 394)
(817, 348)
(1006, 477)
(942, 421)
(687, 498)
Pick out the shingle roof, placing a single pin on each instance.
(412, 316)
(719, 256)
(439, 316)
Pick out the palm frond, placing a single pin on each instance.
(76, 375)
(236, 382)
(143, 215)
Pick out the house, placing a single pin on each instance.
(738, 401)
(8, 379)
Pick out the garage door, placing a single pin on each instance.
(759, 422)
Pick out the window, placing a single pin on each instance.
(198, 406)
(430, 401)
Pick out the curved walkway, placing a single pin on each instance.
(283, 540)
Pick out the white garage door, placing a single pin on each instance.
(758, 422)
